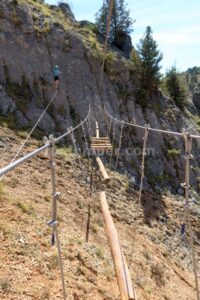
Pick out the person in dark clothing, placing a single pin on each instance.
(56, 75)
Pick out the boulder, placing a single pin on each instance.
(46, 124)
(25, 18)
(124, 43)
(67, 10)
(21, 121)
(88, 24)
(196, 99)
(7, 105)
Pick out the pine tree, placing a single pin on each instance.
(150, 58)
(175, 87)
(121, 22)
(102, 17)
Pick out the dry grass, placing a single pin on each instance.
(158, 272)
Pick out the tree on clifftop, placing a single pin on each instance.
(121, 22)
(150, 58)
(175, 87)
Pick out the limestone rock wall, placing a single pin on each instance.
(28, 53)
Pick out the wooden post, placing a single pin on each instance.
(102, 170)
(97, 129)
(121, 268)
(88, 224)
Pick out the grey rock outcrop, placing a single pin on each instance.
(7, 105)
(196, 99)
(21, 121)
(67, 10)
(124, 43)
(23, 15)
(26, 61)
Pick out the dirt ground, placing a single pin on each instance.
(160, 267)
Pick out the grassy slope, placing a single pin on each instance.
(29, 267)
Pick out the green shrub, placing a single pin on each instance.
(5, 285)
(1, 190)
(173, 152)
(1, 13)
(8, 121)
(100, 252)
(25, 208)
(22, 134)
(175, 87)
(91, 27)
(15, 19)
(158, 273)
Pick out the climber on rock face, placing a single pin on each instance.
(56, 74)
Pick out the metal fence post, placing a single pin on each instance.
(55, 195)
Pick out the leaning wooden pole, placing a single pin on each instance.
(121, 268)
(102, 170)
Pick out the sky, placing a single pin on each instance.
(175, 25)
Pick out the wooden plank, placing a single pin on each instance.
(97, 130)
(102, 170)
(102, 148)
(100, 142)
(121, 268)
(100, 138)
(99, 145)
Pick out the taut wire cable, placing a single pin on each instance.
(30, 133)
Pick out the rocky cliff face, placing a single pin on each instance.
(34, 37)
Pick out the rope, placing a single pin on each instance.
(86, 143)
(30, 133)
(120, 145)
(106, 45)
(138, 204)
(110, 125)
(75, 146)
(88, 155)
(150, 129)
(77, 154)
(106, 41)
(143, 161)
(23, 159)
(112, 152)
(89, 128)
(74, 128)
(186, 185)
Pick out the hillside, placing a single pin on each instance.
(39, 36)
(193, 78)
(161, 261)
(34, 37)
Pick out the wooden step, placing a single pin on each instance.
(101, 147)
(100, 143)
(100, 140)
